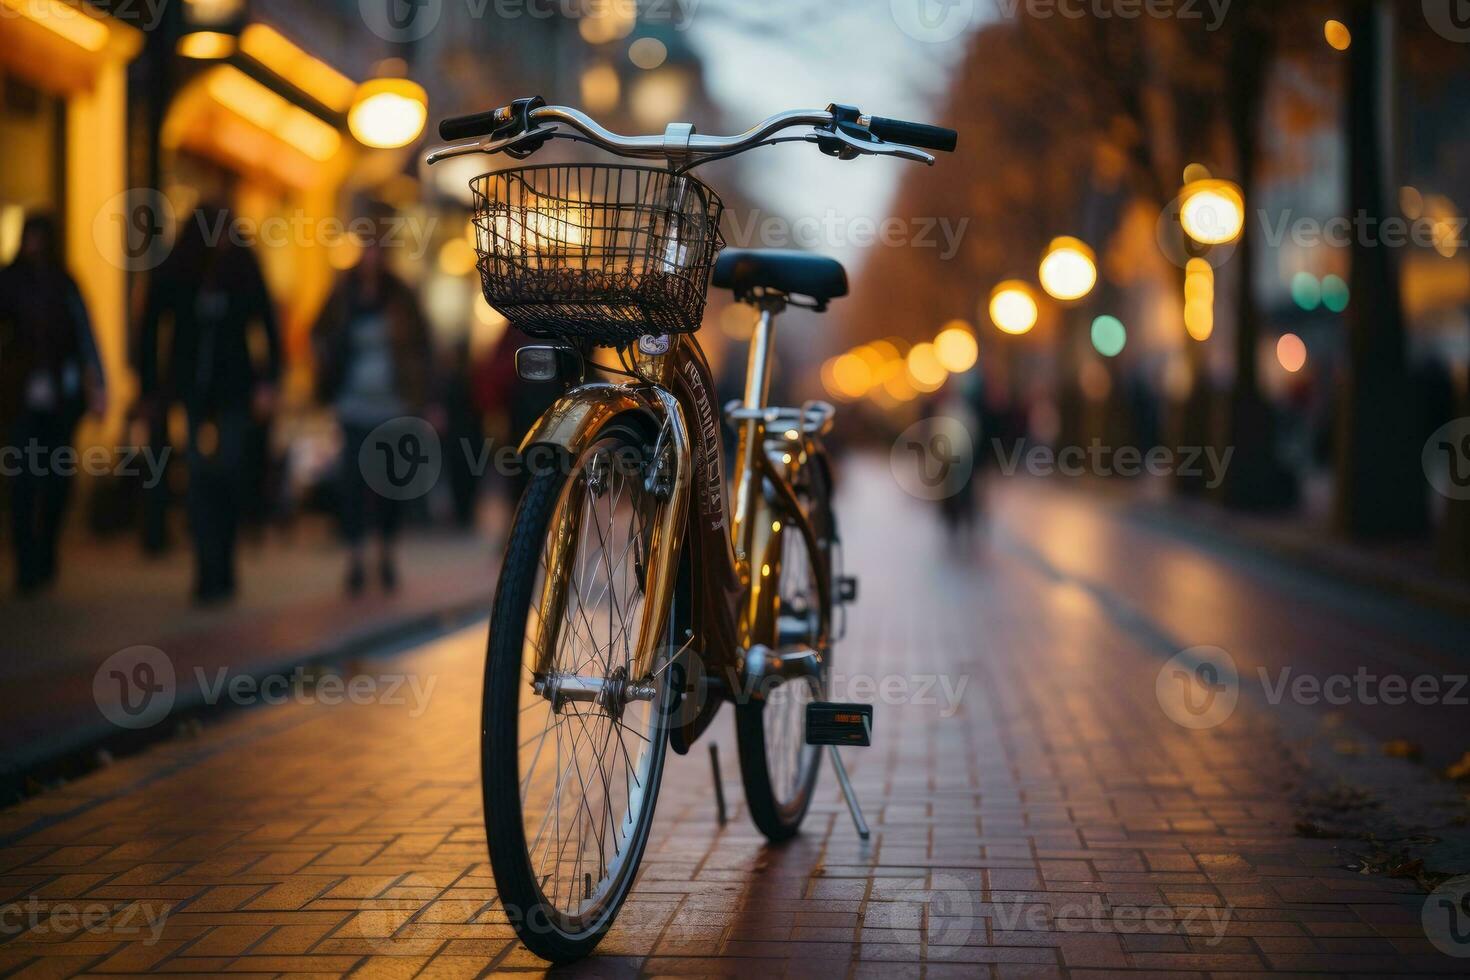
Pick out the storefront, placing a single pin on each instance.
(63, 123)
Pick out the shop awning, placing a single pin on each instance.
(60, 47)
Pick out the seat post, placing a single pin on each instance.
(762, 352)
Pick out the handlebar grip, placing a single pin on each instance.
(914, 134)
(468, 127)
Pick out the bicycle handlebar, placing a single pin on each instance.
(837, 129)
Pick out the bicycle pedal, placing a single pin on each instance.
(829, 723)
(847, 589)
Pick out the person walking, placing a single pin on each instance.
(50, 376)
(374, 364)
(223, 365)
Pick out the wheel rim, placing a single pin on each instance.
(587, 769)
(790, 762)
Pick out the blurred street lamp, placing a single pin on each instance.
(1069, 270)
(926, 372)
(388, 113)
(956, 347)
(1212, 211)
(1013, 308)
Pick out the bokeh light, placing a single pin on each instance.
(1069, 270)
(1335, 293)
(1306, 291)
(648, 53)
(389, 113)
(1013, 308)
(1109, 336)
(925, 371)
(1338, 35)
(1291, 351)
(1212, 212)
(957, 348)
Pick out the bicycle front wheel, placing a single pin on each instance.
(573, 746)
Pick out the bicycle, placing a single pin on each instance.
(634, 600)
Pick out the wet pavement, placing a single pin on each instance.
(1052, 790)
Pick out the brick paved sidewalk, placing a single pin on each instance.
(291, 609)
(1044, 819)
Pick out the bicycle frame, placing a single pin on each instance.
(735, 553)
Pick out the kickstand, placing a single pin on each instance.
(714, 762)
(849, 793)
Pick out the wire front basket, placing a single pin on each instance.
(602, 254)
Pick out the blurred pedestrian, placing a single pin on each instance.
(374, 363)
(50, 376)
(223, 365)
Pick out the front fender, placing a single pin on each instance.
(577, 417)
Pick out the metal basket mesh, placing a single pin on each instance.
(596, 253)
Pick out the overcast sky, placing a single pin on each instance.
(888, 57)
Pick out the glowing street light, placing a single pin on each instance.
(956, 347)
(1013, 308)
(1212, 211)
(388, 113)
(1069, 270)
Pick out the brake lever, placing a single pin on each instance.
(850, 146)
(528, 143)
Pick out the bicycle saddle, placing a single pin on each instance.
(800, 273)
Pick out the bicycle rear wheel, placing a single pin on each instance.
(572, 756)
(778, 768)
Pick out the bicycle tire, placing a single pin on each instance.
(780, 820)
(541, 926)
